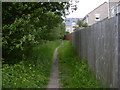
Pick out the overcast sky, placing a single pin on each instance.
(84, 7)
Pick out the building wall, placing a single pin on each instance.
(71, 23)
(119, 8)
(106, 10)
(69, 28)
(113, 8)
(101, 10)
(68, 37)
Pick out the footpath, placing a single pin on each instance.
(54, 82)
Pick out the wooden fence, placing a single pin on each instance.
(100, 44)
(67, 37)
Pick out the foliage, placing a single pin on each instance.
(26, 25)
(67, 33)
(13, 10)
(33, 72)
(57, 32)
(81, 23)
(74, 72)
(17, 38)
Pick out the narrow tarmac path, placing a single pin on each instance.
(54, 83)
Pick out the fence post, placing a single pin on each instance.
(119, 50)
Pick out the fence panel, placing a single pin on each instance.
(99, 43)
(119, 50)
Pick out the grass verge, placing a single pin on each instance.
(33, 72)
(74, 72)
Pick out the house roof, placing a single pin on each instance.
(69, 21)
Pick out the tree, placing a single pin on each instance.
(26, 25)
(18, 9)
(81, 23)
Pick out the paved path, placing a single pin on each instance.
(54, 83)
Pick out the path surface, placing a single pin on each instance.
(54, 83)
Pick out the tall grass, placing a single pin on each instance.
(32, 72)
(74, 72)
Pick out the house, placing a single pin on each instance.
(114, 8)
(69, 28)
(99, 13)
(105, 10)
(71, 24)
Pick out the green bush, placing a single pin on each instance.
(32, 72)
(74, 72)
(26, 25)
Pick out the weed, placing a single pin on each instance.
(33, 72)
(74, 72)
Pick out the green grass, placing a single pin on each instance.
(73, 71)
(33, 72)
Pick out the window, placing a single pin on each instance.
(113, 11)
(73, 24)
(97, 17)
(68, 30)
